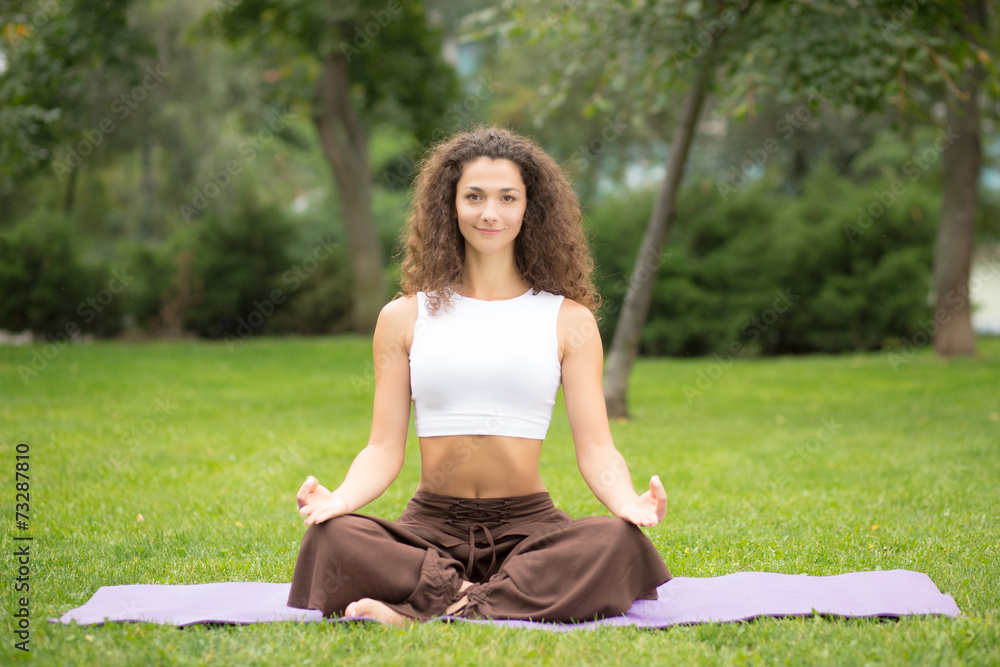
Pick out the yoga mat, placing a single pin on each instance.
(682, 600)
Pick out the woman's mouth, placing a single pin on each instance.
(489, 232)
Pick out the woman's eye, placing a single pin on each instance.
(478, 197)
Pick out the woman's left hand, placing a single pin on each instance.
(649, 508)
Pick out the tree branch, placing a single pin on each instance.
(937, 62)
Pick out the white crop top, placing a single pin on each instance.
(486, 367)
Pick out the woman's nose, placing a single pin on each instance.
(490, 210)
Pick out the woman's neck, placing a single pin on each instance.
(489, 277)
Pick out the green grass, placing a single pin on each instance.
(209, 445)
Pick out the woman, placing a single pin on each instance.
(496, 309)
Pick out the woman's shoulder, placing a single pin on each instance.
(399, 314)
(577, 330)
(576, 323)
(575, 311)
(401, 305)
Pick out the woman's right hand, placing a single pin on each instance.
(317, 503)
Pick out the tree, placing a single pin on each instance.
(52, 55)
(620, 70)
(953, 334)
(370, 65)
(862, 55)
(102, 98)
(635, 310)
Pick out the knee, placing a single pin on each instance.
(333, 531)
(628, 531)
(612, 530)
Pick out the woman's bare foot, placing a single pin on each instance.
(378, 611)
(457, 606)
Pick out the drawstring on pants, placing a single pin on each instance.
(472, 548)
(476, 516)
(463, 518)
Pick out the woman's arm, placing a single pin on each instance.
(377, 465)
(601, 464)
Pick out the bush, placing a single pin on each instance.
(235, 266)
(49, 289)
(251, 272)
(154, 268)
(319, 289)
(762, 273)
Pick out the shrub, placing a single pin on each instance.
(319, 288)
(763, 273)
(237, 263)
(49, 289)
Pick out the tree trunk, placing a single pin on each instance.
(148, 196)
(69, 197)
(625, 344)
(346, 147)
(953, 333)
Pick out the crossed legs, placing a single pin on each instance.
(363, 566)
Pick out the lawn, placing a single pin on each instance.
(177, 463)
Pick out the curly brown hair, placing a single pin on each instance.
(551, 250)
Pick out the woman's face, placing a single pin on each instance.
(490, 199)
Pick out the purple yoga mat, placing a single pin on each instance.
(683, 600)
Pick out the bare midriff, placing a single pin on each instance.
(480, 466)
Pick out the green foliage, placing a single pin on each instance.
(320, 293)
(55, 52)
(155, 271)
(238, 264)
(393, 53)
(23, 127)
(868, 54)
(49, 288)
(834, 270)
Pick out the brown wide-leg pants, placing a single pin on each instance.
(526, 558)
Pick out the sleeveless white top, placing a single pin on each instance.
(486, 367)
